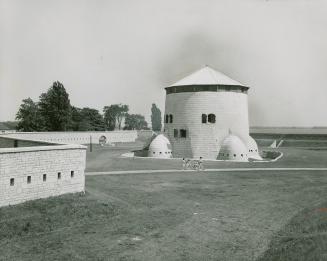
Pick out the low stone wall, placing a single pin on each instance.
(76, 137)
(29, 173)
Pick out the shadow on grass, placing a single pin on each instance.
(39, 217)
(304, 238)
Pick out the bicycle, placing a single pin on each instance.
(193, 164)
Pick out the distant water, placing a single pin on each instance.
(289, 130)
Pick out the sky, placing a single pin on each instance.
(127, 51)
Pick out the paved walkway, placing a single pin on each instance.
(206, 170)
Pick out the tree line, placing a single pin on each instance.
(53, 112)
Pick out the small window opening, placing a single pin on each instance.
(59, 175)
(175, 133)
(234, 155)
(160, 152)
(211, 118)
(170, 118)
(241, 155)
(167, 117)
(12, 181)
(29, 179)
(183, 133)
(154, 153)
(204, 118)
(72, 174)
(44, 177)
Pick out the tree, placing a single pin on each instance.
(76, 118)
(135, 122)
(114, 114)
(29, 116)
(92, 120)
(86, 119)
(55, 108)
(155, 118)
(109, 118)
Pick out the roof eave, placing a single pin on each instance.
(235, 85)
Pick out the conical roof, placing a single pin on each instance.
(206, 76)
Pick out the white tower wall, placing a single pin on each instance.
(204, 139)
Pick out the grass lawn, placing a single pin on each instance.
(175, 216)
(108, 159)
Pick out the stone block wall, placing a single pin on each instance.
(29, 173)
(204, 139)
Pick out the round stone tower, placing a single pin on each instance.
(200, 112)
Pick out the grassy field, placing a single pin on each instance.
(175, 216)
(108, 159)
(259, 215)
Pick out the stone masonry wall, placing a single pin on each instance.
(33, 172)
(204, 139)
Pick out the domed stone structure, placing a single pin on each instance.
(253, 151)
(160, 147)
(233, 148)
(201, 109)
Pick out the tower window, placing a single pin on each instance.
(166, 118)
(29, 179)
(12, 181)
(44, 177)
(72, 173)
(175, 133)
(183, 133)
(59, 175)
(211, 118)
(170, 118)
(204, 118)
